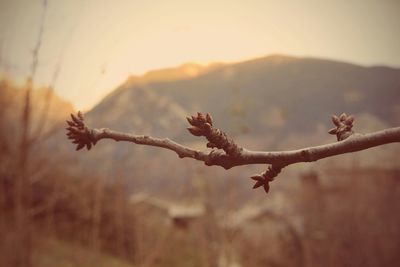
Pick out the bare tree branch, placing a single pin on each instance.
(227, 154)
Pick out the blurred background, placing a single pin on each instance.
(270, 72)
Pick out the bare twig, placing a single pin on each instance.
(23, 194)
(227, 154)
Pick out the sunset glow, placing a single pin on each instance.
(98, 44)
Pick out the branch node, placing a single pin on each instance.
(201, 125)
(306, 155)
(213, 157)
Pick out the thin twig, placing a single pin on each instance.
(230, 154)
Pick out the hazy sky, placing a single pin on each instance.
(98, 43)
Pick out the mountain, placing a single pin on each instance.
(275, 95)
(271, 103)
(136, 107)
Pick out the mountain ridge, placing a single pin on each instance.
(234, 92)
(160, 75)
(273, 103)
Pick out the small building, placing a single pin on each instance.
(178, 215)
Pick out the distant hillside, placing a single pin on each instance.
(270, 103)
(135, 106)
(274, 94)
(48, 113)
(185, 71)
(45, 106)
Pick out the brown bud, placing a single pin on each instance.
(271, 178)
(73, 130)
(211, 145)
(333, 131)
(195, 121)
(344, 135)
(75, 119)
(266, 187)
(190, 120)
(343, 117)
(195, 131)
(200, 117)
(70, 123)
(257, 178)
(88, 146)
(258, 184)
(335, 120)
(209, 119)
(207, 126)
(80, 146)
(349, 120)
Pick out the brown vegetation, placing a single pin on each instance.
(338, 217)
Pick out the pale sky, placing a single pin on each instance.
(99, 43)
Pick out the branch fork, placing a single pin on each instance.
(202, 125)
